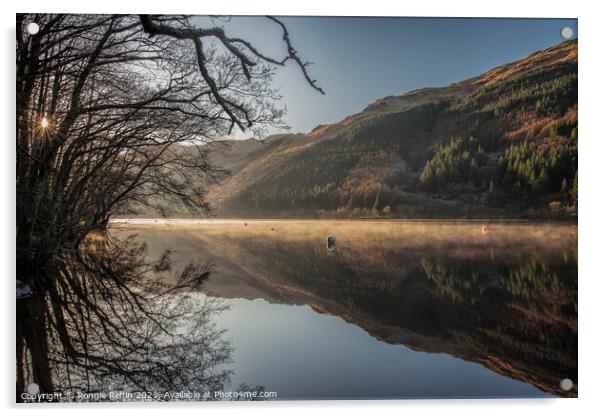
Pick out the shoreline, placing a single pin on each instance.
(216, 221)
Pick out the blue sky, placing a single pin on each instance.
(359, 60)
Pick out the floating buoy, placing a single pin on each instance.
(272, 229)
(245, 224)
(485, 230)
(331, 242)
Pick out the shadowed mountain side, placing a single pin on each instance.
(505, 298)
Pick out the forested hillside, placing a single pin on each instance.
(503, 144)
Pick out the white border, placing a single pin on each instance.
(590, 152)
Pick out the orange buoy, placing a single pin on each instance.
(485, 230)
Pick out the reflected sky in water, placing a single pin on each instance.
(303, 354)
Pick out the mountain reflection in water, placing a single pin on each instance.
(504, 296)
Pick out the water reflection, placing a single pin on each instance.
(505, 299)
(110, 324)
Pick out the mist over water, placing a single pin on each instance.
(397, 310)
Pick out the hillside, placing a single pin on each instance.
(497, 145)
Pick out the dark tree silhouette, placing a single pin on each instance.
(109, 110)
(114, 324)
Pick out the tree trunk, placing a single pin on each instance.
(32, 334)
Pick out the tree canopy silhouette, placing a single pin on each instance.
(107, 108)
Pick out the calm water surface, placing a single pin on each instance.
(397, 310)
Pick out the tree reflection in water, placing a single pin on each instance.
(104, 320)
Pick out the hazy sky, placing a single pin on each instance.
(359, 60)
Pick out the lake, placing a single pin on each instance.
(396, 309)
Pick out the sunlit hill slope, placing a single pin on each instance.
(500, 144)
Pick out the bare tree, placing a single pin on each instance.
(111, 110)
